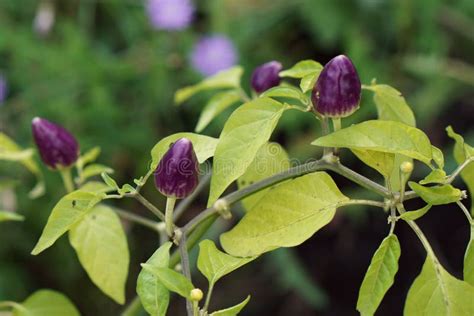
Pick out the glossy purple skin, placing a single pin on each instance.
(177, 173)
(57, 147)
(266, 76)
(337, 92)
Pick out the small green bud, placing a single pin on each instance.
(196, 295)
(406, 167)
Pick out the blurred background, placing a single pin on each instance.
(107, 70)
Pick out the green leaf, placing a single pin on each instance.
(286, 216)
(229, 78)
(463, 151)
(90, 156)
(379, 276)
(437, 195)
(302, 69)
(204, 146)
(414, 215)
(383, 136)
(109, 181)
(10, 216)
(153, 294)
(245, 132)
(10, 151)
(436, 292)
(101, 245)
(468, 270)
(94, 170)
(286, 92)
(307, 82)
(214, 264)
(46, 303)
(231, 311)
(174, 281)
(438, 157)
(380, 161)
(215, 106)
(435, 176)
(391, 105)
(68, 211)
(270, 159)
(96, 187)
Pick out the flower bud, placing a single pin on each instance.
(57, 147)
(337, 92)
(196, 295)
(406, 167)
(266, 76)
(177, 173)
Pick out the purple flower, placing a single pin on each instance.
(3, 88)
(177, 173)
(170, 15)
(337, 92)
(266, 76)
(213, 54)
(57, 147)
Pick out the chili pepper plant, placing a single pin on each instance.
(285, 203)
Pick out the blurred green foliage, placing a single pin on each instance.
(106, 75)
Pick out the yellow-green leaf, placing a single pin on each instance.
(380, 161)
(435, 176)
(68, 211)
(215, 106)
(468, 270)
(414, 215)
(379, 276)
(101, 245)
(229, 78)
(214, 264)
(10, 216)
(286, 216)
(383, 136)
(286, 92)
(174, 281)
(302, 69)
(46, 303)
(437, 293)
(437, 195)
(308, 82)
(270, 159)
(463, 151)
(246, 131)
(231, 311)
(10, 151)
(153, 294)
(391, 105)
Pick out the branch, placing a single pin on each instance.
(459, 169)
(137, 219)
(298, 171)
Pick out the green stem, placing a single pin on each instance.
(183, 251)
(195, 308)
(459, 169)
(140, 198)
(134, 308)
(325, 130)
(336, 123)
(137, 219)
(419, 234)
(67, 179)
(466, 212)
(169, 215)
(208, 296)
